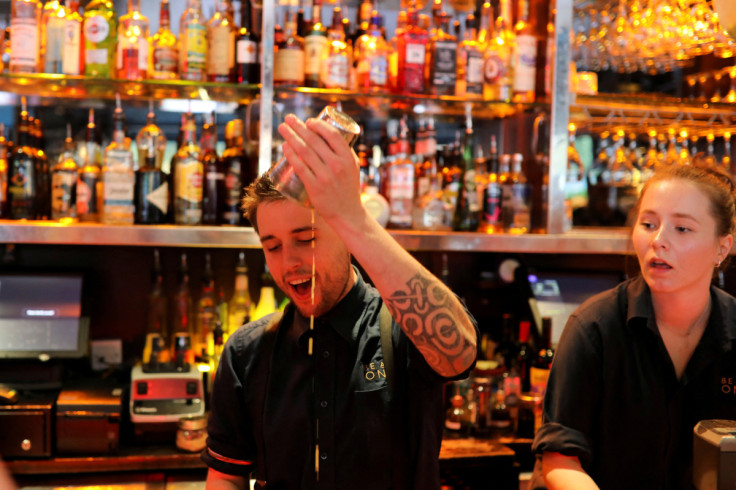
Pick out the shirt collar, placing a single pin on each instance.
(344, 317)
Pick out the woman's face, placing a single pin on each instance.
(675, 237)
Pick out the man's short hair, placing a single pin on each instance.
(259, 191)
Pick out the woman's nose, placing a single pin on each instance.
(660, 238)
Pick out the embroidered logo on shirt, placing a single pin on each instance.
(728, 385)
(374, 371)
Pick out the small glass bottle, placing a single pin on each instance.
(164, 48)
(25, 42)
(88, 183)
(100, 38)
(64, 181)
(221, 32)
(288, 60)
(193, 43)
(133, 50)
(456, 419)
(188, 172)
(118, 177)
(501, 422)
(72, 51)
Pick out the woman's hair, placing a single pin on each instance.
(259, 191)
(717, 185)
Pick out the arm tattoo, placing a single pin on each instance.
(433, 319)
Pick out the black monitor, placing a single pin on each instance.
(41, 317)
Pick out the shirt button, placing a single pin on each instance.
(323, 404)
(326, 354)
(323, 456)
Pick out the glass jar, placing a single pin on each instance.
(191, 433)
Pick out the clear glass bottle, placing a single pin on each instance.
(72, 51)
(525, 56)
(133, 48)
(498, 73)
(164, 48)
(88, 206)
(64, 181)
(52, 35)
(25, 39)
(371, 55)
(517, 216)
(118, 177)
(193, 43)
(240, 304)
(221, 31)
(247, 63)
(188, 173)
(100, 38)
(398, 187)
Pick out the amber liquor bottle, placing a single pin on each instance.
(239, 172)
(221, 44)
(22, 191)
(187, 172)
(164, 50)
(288, 60)
(89, 174)
(213, 190)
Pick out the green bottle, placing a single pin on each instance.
(100, 38)
(467, 208)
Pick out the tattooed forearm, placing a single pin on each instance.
(436, 322)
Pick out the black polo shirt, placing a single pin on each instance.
(369, 437)
(613, 398)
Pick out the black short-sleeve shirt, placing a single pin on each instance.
(369, 437)
(613, 398)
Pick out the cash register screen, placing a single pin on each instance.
(560, 294)
(40, 317)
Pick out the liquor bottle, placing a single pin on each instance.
(267, 300)
(164, 59)
(64, 181)
(221, 32)
(4, 155)
(501, 421)
(52, 35)
(100, 38)
(498, 56)
(524, 356)
(43, 172)
(336, 66)
(151, 183)
(517, 209)
(206, 314)
(133, 48)
(240, 305)
(22, 192)
(411, 46)
(393, 57)
(364, 16)
(315, 47)
(525, 57)
(492, 195)
(213, 189)
(485, 27)
(399, 185)
(157, 331)
(72, 50)
(288, 60)
(442, 59)
(118, 178)
(465, 217)
(239, 171)
(469, 62)
(181, 318)
(371, 55)
(456, 418)
(539, 371)
(247, 63)
(88, 183)
(193, 43)
(25, 41)
(187, 171)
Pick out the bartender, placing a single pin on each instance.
(638, 366)
(331, 405)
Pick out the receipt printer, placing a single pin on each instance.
(714, 455)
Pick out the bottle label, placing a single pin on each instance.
(337, 71)
(525, 65)
(87, 194)
(188, 185)
(159, 197)
(471, 194)
(247, 52)
(95, 56)
(165, 60)
(195, 49)
(474, 73)
(71, 49)
(401, 194)
(63, 187)
(415, 53)
(538, 379)
(118, 189)
(288, 65)
(494, 68)
(24, 43)
(315, 51)
(378, 71)
(492, 204)
(221, 51)
(96, 29)
(445, 64)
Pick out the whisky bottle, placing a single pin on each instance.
(335, 73)
(221, 32)
(182, 323)
(213, 190)
(187, 172)
(288, 60)
(164, 59)
(411, 46)
(247, 63)
(469, 62)
(133, 49)
(498, 73)
(72, 50)
(193, 43)
(315, 48)
(88, 183)
(525, 57)
(492, 195)
(465, 217)
(517, 209)
(53, 19)
(100, 38)
(25, 41)
(371, 55)
(239, 172)
(393, 57)
(442, 61)
(206, 314)
(64, 181)
(22, 191)
(240, 304)
(118, 178)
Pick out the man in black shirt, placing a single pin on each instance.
(354, 400)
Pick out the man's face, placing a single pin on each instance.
(287, 235)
